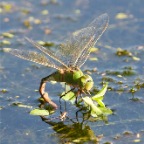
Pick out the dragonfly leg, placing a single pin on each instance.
(44, 94)
(79, 92)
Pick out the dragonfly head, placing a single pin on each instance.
(86, 83)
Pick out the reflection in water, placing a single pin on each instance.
(75, 129)
(75, 132)
(71, 125)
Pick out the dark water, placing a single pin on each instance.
(21, 78)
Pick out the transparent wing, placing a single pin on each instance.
(32, 56)
(47, 52)
(98, 26)
(75, 51)
(71, 50)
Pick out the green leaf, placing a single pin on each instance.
(100, 103)
(93, 49)
(39, 112)
(106, 111)
(70, 96)
(95, 111)
(8, 35)
(93, 59)
(101, 93)
(136, 58)
(121, 16)
(19, 104)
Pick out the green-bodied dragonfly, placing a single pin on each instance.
(68, 58)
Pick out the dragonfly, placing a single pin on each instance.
(68, 58)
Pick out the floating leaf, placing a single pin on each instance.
(93, 59)
(106, 111)
(41, 42)
(99, 101)
(95, 111)
(27, 23)
(122, 52)
(135, 58)
(70, 96)
(37, 21)
(39, 112)
(121, 16)
(93, 49)
(119, 76)
(137, 140)
(1, 107)
(5, 42)
(8, 35)
(4, 90)
(19, 104)
(46, 44)
(101, 93)
(24, 106)
(77, 11)
(44, 12)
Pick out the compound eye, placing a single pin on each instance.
(88, 80)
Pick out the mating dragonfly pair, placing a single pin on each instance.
(68, 58)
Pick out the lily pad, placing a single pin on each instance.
(39, 112)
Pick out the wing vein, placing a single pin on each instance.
(32, 56)
(46, 51)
